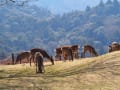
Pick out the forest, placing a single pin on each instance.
(27, 27)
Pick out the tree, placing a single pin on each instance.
(109, 2)
(116, 6)
(16, 2)
(115, 2)
(100, 8)
(88, 8)
(101, 4)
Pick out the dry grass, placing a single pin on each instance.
(99, 73)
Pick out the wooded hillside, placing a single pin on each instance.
(23, 28)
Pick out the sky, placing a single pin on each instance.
(62, 6)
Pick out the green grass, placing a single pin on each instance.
(99, 73)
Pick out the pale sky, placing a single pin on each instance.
(60, 6)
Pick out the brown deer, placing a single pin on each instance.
(90, 49)
(39, 63)
(58, 53)
(67, 53)
(22, 56)
(114, 47)
(75, 51)
(43, 52)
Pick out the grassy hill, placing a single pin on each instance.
(98, 73)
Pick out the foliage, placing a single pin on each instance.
(23, 28)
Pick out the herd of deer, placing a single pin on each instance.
(63, 53)
(30, 55)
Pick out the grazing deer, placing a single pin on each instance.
(114, 47)
(90, 49)
(67, 53)
(75, 51)
(43, 52)
(22, 55)
(58, 52)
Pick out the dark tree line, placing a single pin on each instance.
(16, 2)
(36, 27)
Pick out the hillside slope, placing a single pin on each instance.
(99, 73)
